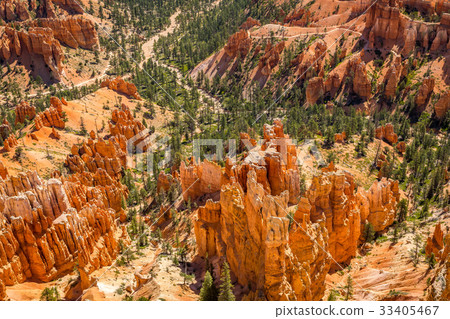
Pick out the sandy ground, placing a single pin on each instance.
(95, 111)
(387, 267)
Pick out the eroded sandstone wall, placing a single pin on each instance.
(24, 34)
(279, 255)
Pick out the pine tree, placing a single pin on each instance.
(402, 210)
(209, 290)
(226, 288)
(349, 288)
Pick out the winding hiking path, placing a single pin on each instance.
(149, 53)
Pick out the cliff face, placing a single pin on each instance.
(271, 57)
(199, 179)
(25, 35)
(10, 143)
(385, 23)
(443, 105)
(49, 226)
(354, 69)
(435, 243)
(45, 231)
(439, 289)
(74, 31)
(239, 43)
(281, 257)
(249, 226)
(121, 86)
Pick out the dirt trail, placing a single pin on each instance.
(148, 46)
(148, 49)
(284, 30)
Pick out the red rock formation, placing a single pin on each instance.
(427, 6)
(440, 284)
(315, 90)
(199, 179)
(410, 41)
(308, 63)
(246, 143)
(443, 105)
(379, 204)
(435, 243)
(10, 143)
(386, 132)
(271, 57)
(72, 4)
(392, 76)
(424, 93)
(55, 134)
(26, 35)
(361, 82)
(240, 43)
(43, 235)
(5, 129)
(3, 170)
(384, 21)
(275, 163)
(250, 23)
(249, 225)
(332, 195)
(251, 230)
(2, 291)
(123, 123)
(353, 69)
(11, 10)
(164, 181)
(24, 111)
(94, 155)
(51, 117)
(401, 147)
(339, 137)
(119, 85)
(74, 31)
(36, 40)
(298, 17)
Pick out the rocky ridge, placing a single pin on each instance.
(50, 226)
(24, 35)
(275, 254)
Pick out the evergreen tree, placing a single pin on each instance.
(209, 290)
(402, 210)
(226, 288)
(349, 288)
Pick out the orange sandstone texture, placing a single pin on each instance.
(44, 232)
(121, 86)
(386, 132)
(273, 257)
(25, 35)
(51, 117)
(10, 143)
(439, 289)
(24, 111)
(240, 43)
(48, 227)
(386, 23)
(435, 243)
(3, 170)
(271, 57)
(443, 105)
